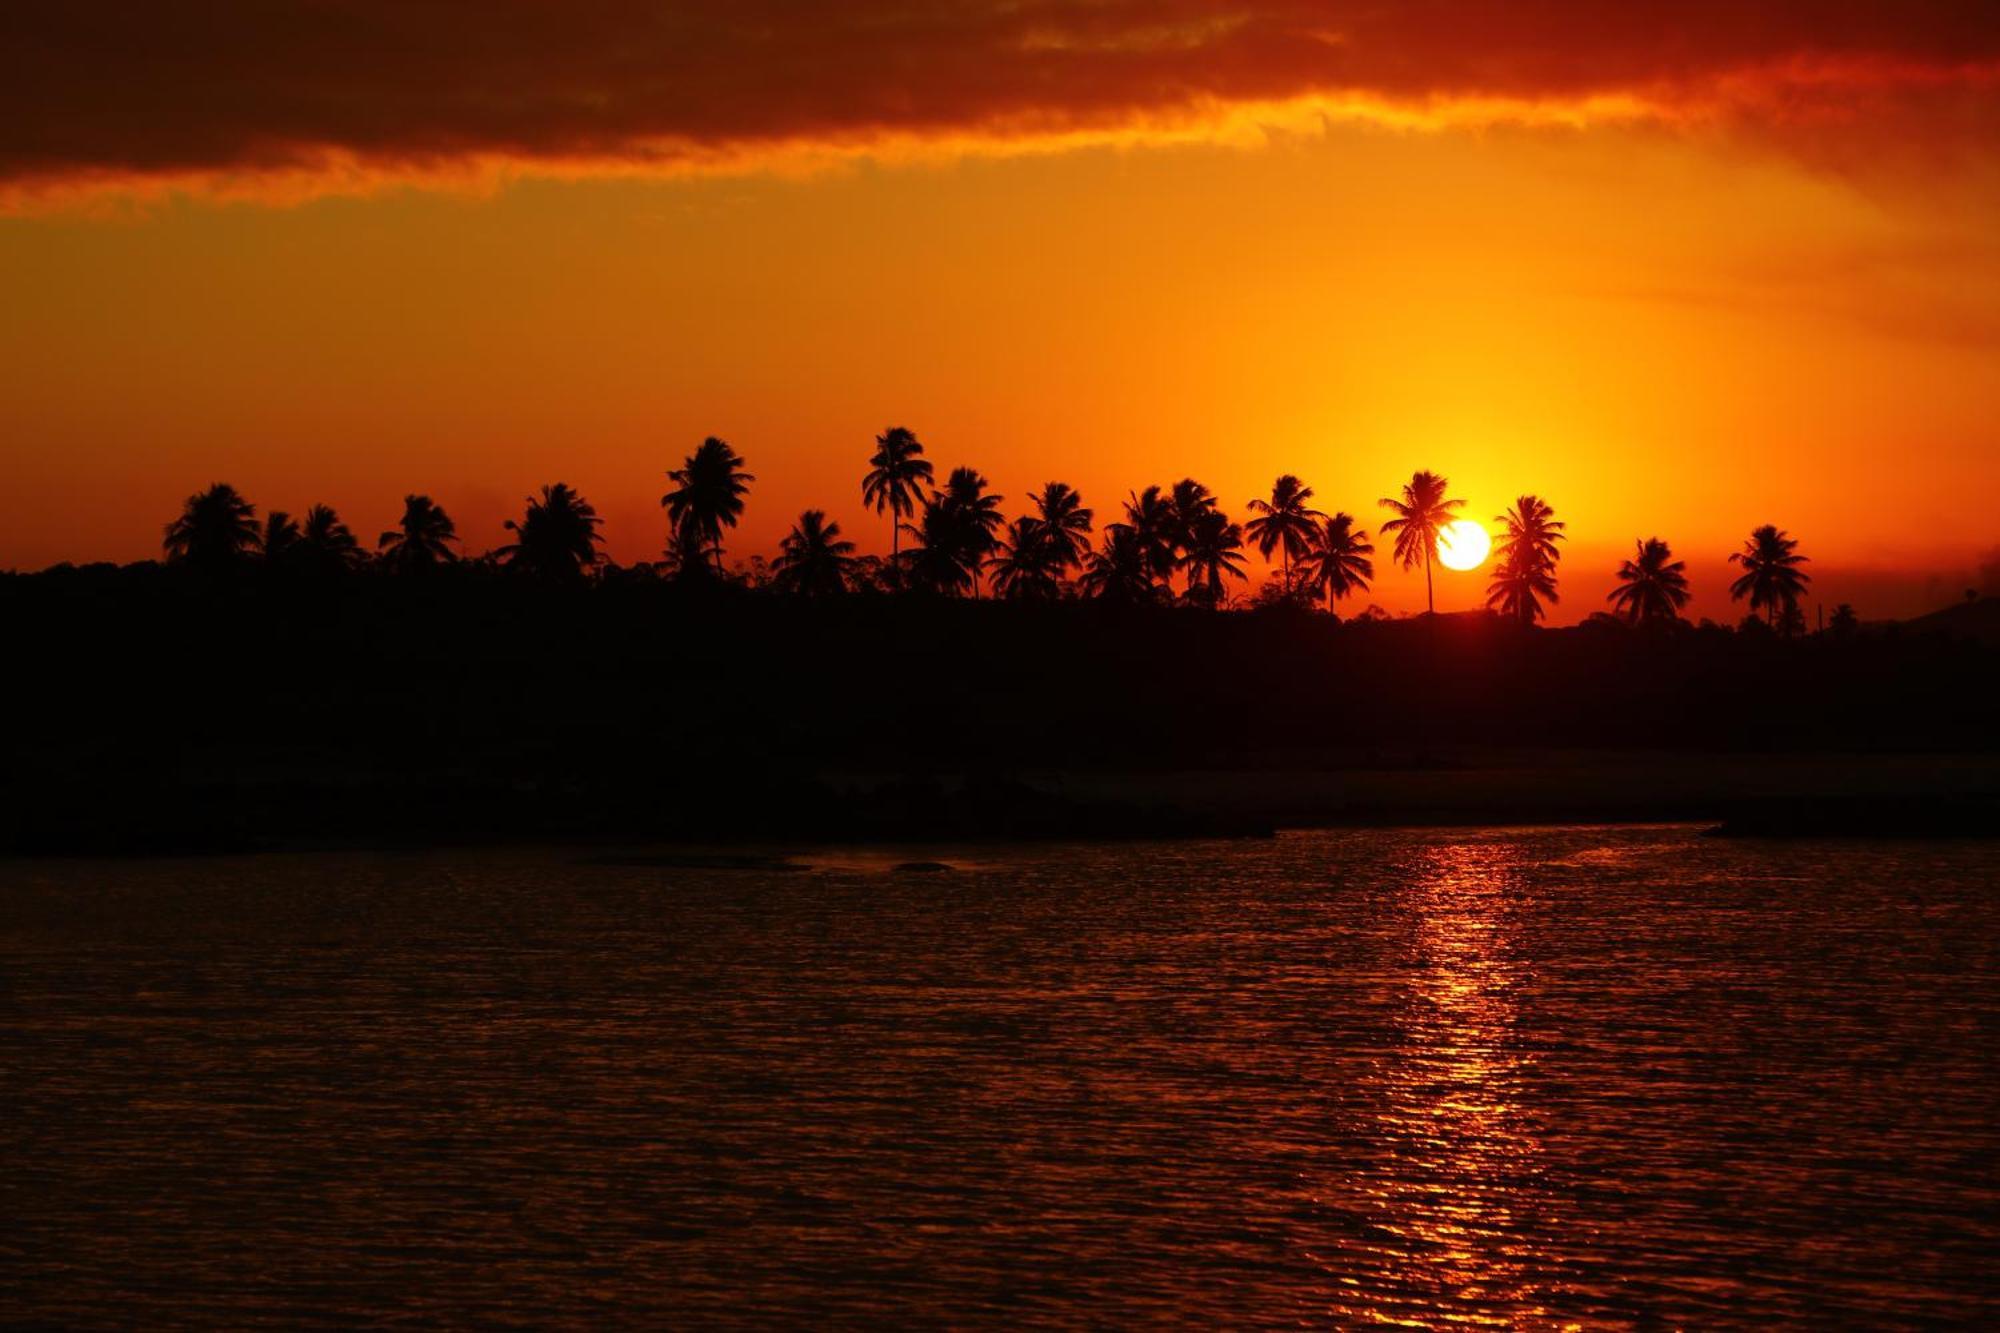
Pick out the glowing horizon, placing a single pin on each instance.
(1677, 289)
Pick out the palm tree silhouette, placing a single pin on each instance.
(1420, 514)
(326, 542)
(1189, 497)
(939, 562)
(1526, 571)
(1214, 548)
(687, 558)
(422, 540)
(1771, 579)
(216, 528)
(814, 560)
(1064, 524)
(1028, 566)
(1120, 570)
(1337, 563)
(975, 513)
(282, 539)
(1285, 522)
(1191, 502)
(1652, 586)
(556, 539)
(707, 497)
(895, 470)
(1154, 524)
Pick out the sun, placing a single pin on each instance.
(1463, 544)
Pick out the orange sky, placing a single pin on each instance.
(1665, 323)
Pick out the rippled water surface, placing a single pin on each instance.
(1592, 1077)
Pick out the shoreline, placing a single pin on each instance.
(1752, 795)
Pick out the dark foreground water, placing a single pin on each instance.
(1575, 1077)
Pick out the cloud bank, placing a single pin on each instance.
(326, 94)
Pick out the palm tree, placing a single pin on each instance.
(814, 560)
(326, 541)
(895, 470)
(1154, 523)
(282, 539)
(939, 562)
(707, 497)
(1285, 521)
(1337, 563)
(1191, 502)
(1772, 579)
(1526, 571)
(1653, 586)
(1064, 524)
(1120, 569)
(1028, 567)
(975, 513)
(1420, 515)
(422, 540)
(1214, 548)
(687, 557)
(216, 528)
(557, 538)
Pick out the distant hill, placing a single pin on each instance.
(1978, 620)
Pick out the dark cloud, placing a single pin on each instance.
(135, 88)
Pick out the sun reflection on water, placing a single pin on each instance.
(1611, 1078)
(1461, 1158)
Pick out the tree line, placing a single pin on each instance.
(1168, 545)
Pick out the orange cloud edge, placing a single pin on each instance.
(1871, 96)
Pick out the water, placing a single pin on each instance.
(1573, 1077)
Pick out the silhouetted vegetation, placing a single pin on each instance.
(814, 560)
(1526, 556)
(973, 513)
(422, 541)
(1285, 522)
(1652, 586)
(556, 539)
(1339, 561)
(281, 537)
(707, 497)
(217, 529)
(1421, 514)
(326, 546)
(1772, 579)
(895, 471)
(1119, 571)
(399, 691)
(1154, 520)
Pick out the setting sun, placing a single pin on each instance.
(1463, 544)
(636, 623)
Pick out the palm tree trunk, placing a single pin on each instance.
(1430, 598)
